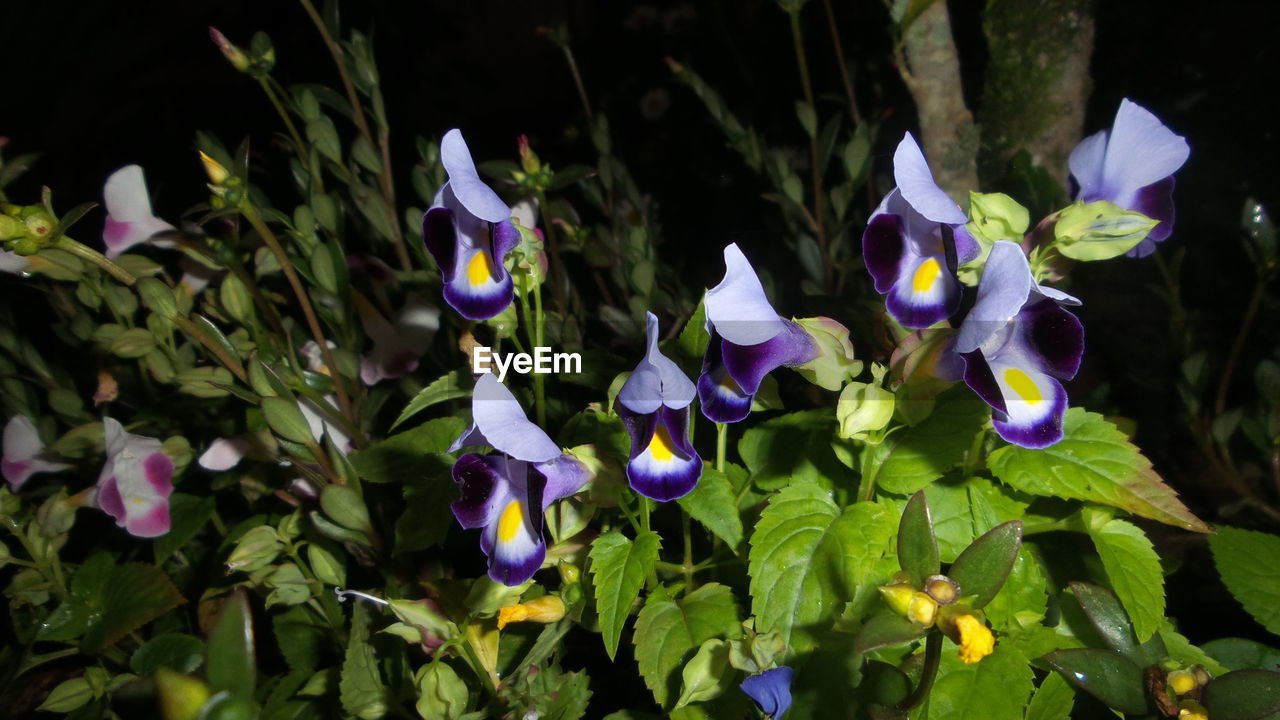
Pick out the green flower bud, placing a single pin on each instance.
(1099, 230)
(864, 409)
(11, 228)
(835, 363)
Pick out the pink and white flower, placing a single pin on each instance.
(129, 217)
(24, 453)
(136, 482)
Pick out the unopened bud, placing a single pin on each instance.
(1192, 710)
(217, 173)
(233, 54)
(528, 158)
(898, 597)
(942, 588)
(39, 223)
(546, 609)
(1202, 676)
(11, 228)
(1181, 682)
(922, 610)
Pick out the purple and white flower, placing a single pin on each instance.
(771, 691)
(904, 246)
(24, 453)
(1018, 343)
(135, 483)
(1132, 166)
(748, 341)
(468, 231)
(129, 217)
(654, 406)
(506, 493)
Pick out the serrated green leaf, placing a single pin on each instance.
(108, 602)
(445, 387)
(917, 546)
(619, 567)
(714, 504)
(1023, 601)
(1053, 700)
(1094, 461)
(1249, 563)
(1110, 620)
(807, 557)
(360, 689)
(668, 630)
(913, 457)
(1133, 567)
(410, 455)
(1180, 648)
(998, 688)
(793, 448)
(1107, 675)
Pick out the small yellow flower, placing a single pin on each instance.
(976, 640)
(217, 173)
(1182, 681)
(923, 609)
(546, 609)
(1192, 710)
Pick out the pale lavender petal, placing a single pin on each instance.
(479, 199)
(657, 380)
(223, 454)
(915, 182)
(21, 439)
(1141, 150)
(1086, 162)
(12, 262)
(738, 306)
(499, 416)
(564, 476)
(1006, 283)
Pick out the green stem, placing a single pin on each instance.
(553, 250)
(55, 577)
(1246, 324)
(932, 658)
(687, 567)
(540, 400)
(84, 252)
(299, 146)
(819, 197)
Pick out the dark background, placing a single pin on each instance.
(97, 85)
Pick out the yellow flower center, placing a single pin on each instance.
(1022, 384)
(976, 640)
(1182, 682)
(480, 268)
(660, 447)
(510, 522)
(926, 275)
(728, 383)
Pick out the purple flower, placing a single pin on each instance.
(771, 690)
(24, 453)
(1132, 165)
(748, 341)
(135, 483)
(654, 406)
(507, 493)
(1017, 343)
(129, 217)
(468, 231)
(903, 244)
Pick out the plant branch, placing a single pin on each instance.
(815, 157)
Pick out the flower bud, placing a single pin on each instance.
(922, 610)
(528, 158)
(233, 54)
(546, 609)
(897, 596)
(217, 174)
(834, 362)
(1181, 682)
(1202, 676)
(864, 409)
(11, 228)
(1192, 710)
(942, 589)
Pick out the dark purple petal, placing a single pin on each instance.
(478, 478)
(748, 364)
(677, 422)
(882, 247)
(516, 568)
(1156, 202)
(722, 400)
(771, 690)
(640, 426)
(666, 466)
(441, 239)
(980, 379)
(505, 238)
(918, 309)
(561, 478)
(482, 304)
(1055, 335)
(1037, 432)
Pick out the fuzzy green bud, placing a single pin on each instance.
(864, 409)
(834, 363)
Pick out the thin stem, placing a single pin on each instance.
(819, 199)
(577, 81)
(844, 71)
(228, 360)
(84, 252)
(687, 567)
(1246, 324)
(932, 658)
(357, 115)
(284, 115)
(313, 323)
(540, 400)
(553, 249)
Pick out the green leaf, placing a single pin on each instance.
(188, 515)
(668, 630)
(324, 137)
(1111, 621)
(230, 664)
(1094, 461)
(619, 567)
(1249, 562)
(67, 696)
(176, 651)
(714, 504)
(1133, 567)
(1241, 654)
(1180, 648)
(344, 506)
(446, 387)
(426, 519)
(1053, 700)
(108, 602)
(694, 337)
(1108, 676)
(913, 457)
(998, 688)
(412, 454)
(1243, 695)
(360, 689)
(917, 546)
(286, 420)
(300, 635)
(1022, 603)
(981, 570)
(886, 630)
(807, 557)
(793, 448)
(1099, 230)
